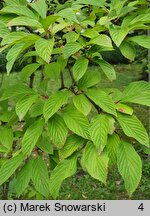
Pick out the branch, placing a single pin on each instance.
(42, 74)
(5, 190)
(2, 79)
(72, 77)
(94, 104)
(62, 81)
(31, 80)
(32, 75)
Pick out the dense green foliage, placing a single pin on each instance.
(46, 134)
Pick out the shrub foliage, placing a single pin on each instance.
(48, 132)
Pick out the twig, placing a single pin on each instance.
(31, 80)
(5, 191)
(94, 104)
(32, 75)
(62, 81)
(2, 79)
(71, 75)
(42, 74)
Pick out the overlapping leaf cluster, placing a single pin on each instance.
(45, 133)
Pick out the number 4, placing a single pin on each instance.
(141, 207)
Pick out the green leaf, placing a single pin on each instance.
(52, 70)
(138, 26)
(3, 149)
(9, 167)
(142, 18)
(99, 131)
(131, 4)
(58, 27)
(44, 48)
(57, 130)
(91, 2)
(15, 2)
(40, 7)
(15, 90)
(63, 170)
(101, 40)
(73, 143)
(48, 21)
(2, 161)
(13, 37)
(142, 40)
(118, 34)
(71, 36)
(95, 164)
(31, 136)
(71, 48)
(30, 40)
(45, 144)
(112, 147)
(90, 33)
(111, 124)
(123, 108)
(30, 54)
(103, 100)
(90, 78)
(24, 21)
(4, 31)
(82, 104)
(76, 121)
(80, 67)
(137, 92)
(107, 68)
(43, 88)
(24, 104)
(8, 115)
(23, 178)
(28, 70)
(128, 50)
(104, 20)
(117, 6)
(62, 62)
(37, 108)
(146, 150)
(19, 10)
(6, 137)
(129, 166)
(40, 176)
(6, 18)
(3, 48)
(13, 54)
(54, 103)
(68, 14)
(132, 127)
